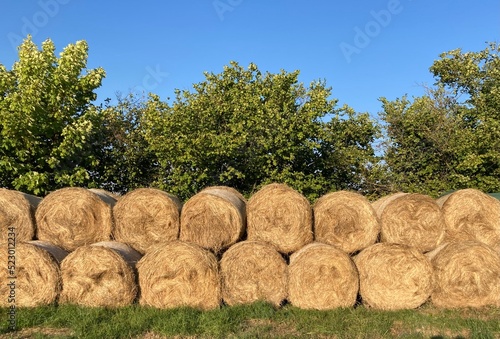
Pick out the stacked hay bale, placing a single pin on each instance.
(467, 274)
(214, 218)
(252, 271)
(73, 217)
(394, 276)
(100, 274)
(179, 274)
(103, 192)
(322, 277)
(36, 272)
(145, 217)
(17, 210)
(472, 215)
(459, 234)
(346, 220)
(279, 215)
(411, 219)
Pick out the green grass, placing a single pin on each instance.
(259, 320)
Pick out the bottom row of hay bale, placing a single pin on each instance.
(318, 276)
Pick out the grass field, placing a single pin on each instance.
(258, 320)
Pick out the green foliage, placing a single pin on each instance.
(46, 119)
(125, 160)
(243, 129)
(476, 77)
(449, 138)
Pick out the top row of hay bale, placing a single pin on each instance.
(410, 219)
(145, 217)
(345, 220)
(471, 215)
(218, 217)
(73, 217)
(279, 215)
(214, 218)
(17, 209)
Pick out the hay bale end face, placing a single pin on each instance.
(252, 271)
(36, 268)
(100, 275)
(471, 215)
(145, 217)
(73, 217)
(230, 189)
(214, 218)
(414, 220)
(346, 220)
(179, 274)
(17, 210)
(322, 277)
(281, 216)
(394, 276)
(379, 204)
(467, 274)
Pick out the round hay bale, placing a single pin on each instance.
(73, 217)
(37, 275)
(379, 205)
(252, 271)
(414, 220)
(214, 218)
(394, 276)
(229, 189)
(178, 274)
(100, 275)
(146, 216)
(345, 220)
(322, 277)
(17, 210)
(467, 274)
(100, 191)
(281, 216)
(471, 215)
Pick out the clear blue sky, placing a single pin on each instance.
(363, 49)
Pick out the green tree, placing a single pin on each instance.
(243, 128)
(47, 121)
(474, 79)
(424, 140)
(450, 137)
(125, 162)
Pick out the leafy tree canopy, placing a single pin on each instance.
(47, 121)
(449, 138)
(243, 128)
